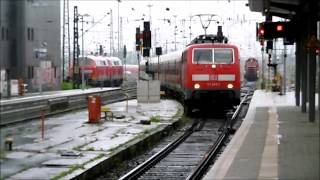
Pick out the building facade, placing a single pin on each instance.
(30, 43)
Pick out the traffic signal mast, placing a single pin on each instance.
(145, 45)
(272, 30)
(143, 42)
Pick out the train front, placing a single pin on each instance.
(251, 69)
(213, 75)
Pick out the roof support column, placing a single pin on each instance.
(303, 63)
(318, 59)
(298, 70)
(312, 29)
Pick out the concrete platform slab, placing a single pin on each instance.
(34, 157)
(275, 141)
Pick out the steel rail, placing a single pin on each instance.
(142, 168)
(214, 150)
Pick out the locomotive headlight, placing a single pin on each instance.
(196, 86)
(230, 86)
(213, 66)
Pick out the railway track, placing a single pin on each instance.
(189, 156)
(19, 110)
(180, 157)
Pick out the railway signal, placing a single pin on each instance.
(138, 39)
(260, 33)
(146, 35)
(272, 30)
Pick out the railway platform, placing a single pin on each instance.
(50, 94)
(66, 146)
(275, 141)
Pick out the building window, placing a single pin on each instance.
(32, 34)
(7, 34)
(30, 72)
(29, 33)
(2, 34)
(55, 71)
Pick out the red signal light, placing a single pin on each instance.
(261, 31)
(279, 27)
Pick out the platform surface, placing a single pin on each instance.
(68, 145)
(275, 141)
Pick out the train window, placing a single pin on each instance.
(87, 62)
(223, 56)
(202, 56)
(101, 63)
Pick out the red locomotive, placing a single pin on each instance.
(101, 70)
(204, 73)
(251, 69)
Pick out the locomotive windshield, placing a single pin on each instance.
(210, 56)
(202, 56)
(223, 56)
(86, 62)
(100, 63)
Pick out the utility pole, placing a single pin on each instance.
(175, 32)
(66, 41)
(121, 34)
(184, 31)
(262, 67)
(284, 69)
(75, 48)
(63, 38)
(111, 34)
(190, 34)
(149, 6)
(119, 27)
(82, 35)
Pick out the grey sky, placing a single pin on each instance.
(237, 21)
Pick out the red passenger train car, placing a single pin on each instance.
(204, 73)
(251, 69)
(101, 70)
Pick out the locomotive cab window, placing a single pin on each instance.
(202, 56)
(101, 63)
(223, 56)
(86, 62)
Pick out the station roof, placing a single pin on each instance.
(282, 8)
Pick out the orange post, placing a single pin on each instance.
(94, 109)
(20, 87)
